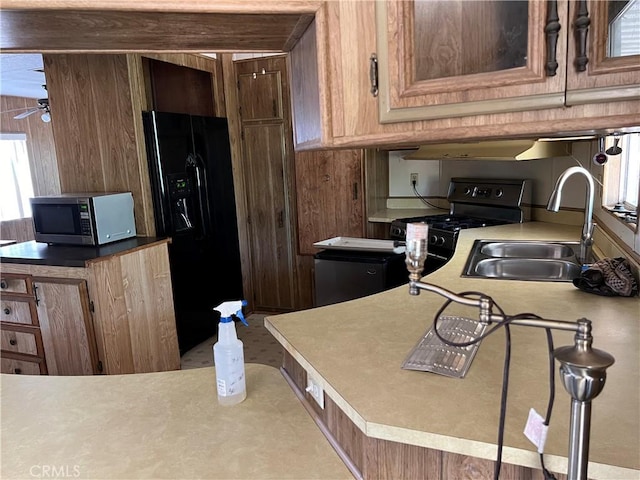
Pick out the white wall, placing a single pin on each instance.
(434, 175)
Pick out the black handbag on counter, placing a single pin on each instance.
(609, 277)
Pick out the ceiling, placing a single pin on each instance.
(21, 75)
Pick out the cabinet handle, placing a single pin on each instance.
(281, 219)
(551, 30)
(17, 371)
(373, 74)
(355, 191)
(7, 311)
(13, 341)
(581, 27)
(4, 285)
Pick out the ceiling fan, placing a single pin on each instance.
(43, 105)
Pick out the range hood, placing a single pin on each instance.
(493, 150)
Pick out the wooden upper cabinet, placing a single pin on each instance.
(455, 58)
(604, 51)
(267, 105)
(488, 93)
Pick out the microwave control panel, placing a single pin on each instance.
(85, 218)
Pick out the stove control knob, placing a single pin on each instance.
(438, 241)
(468, 190)
(499, 192)
(433, 239)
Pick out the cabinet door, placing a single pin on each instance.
(604, 51)
(263, 91)
(66, 326)
(329, 196)
(449, 58)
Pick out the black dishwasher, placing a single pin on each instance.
(342, 275)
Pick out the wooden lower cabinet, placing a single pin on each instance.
(46, 326)
(66, 326)
(372, 458)
(113, 316)
(22, 349)
(20, 367)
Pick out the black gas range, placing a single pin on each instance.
(473, 203)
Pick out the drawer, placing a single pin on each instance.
(16, 311)
(13, 283)
(18, 342)
(20, 367)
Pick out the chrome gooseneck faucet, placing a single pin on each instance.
(582, 367)
(586, 240)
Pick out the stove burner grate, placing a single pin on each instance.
(453, 222)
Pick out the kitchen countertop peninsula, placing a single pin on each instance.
(39, 253)
(354, 351)
(159, 425)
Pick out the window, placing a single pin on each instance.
(624, 28)
(622, 178)
(15, 177)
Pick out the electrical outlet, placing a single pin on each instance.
(413, 179)
(316, 390)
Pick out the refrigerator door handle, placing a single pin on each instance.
(195, 163)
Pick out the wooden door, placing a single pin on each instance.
(604, 52)
(329, 196)
(267, 151)
(451, 58)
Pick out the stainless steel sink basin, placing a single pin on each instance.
(523, 260)
(527, 250)
(528, 269)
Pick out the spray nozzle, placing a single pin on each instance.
(227, 309)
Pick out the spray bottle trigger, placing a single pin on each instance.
(241, 317)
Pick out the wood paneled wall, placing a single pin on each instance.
(20, 230)
(95, 127)
(42, 158)
(97, 100)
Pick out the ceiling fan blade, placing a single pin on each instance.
(16, 110)
(22, 115)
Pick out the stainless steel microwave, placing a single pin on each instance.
(83, 218)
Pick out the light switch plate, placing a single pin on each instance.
(316, 390)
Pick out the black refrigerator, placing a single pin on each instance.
(194, 204)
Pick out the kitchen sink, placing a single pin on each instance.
(527, 268)
(527, 250)
(535, 260)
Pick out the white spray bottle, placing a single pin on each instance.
(228, 355)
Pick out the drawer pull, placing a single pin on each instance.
(4, 285)
(13, 341)
(7, 310)
(17, 371)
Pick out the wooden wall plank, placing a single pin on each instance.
(96, 130)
